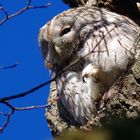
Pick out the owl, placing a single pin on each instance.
(87, 49)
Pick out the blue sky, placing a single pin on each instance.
(18, 43)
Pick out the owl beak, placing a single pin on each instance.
(57, 49)
(83, 78)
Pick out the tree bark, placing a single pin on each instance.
(129, 8)
(121, 101)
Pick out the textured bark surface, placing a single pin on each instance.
(130, 8)
(121, 101)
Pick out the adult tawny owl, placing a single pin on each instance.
(92, 47)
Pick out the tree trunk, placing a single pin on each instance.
(123, 98)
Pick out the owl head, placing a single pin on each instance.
(61, 37)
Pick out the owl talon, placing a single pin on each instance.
(90, 70)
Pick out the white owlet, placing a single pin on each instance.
(91, 47)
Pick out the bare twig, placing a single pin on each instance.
(30, 107)
(25, 93)
(8, 104)
(4, 10)
(28, 6)
(9, 67)
(12, 111)
(4, 101)
(7, 115)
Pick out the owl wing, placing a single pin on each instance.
(74, 96)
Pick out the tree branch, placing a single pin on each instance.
(28, 6)
(12, 111)
(4, 100)
(9, 67)
(19, 95)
